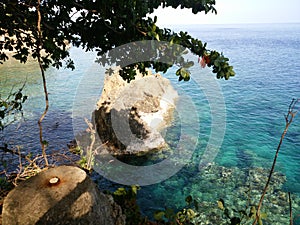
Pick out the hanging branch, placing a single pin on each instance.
(288, 120)
(39, 44)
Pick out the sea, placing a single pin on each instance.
(266, 59)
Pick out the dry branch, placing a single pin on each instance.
(288, 120)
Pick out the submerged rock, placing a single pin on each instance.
(61, 195)
(241, 190)
(131, 116)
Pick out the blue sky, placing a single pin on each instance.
(236, 11)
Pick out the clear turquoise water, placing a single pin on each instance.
(267, 64)
(266, 59)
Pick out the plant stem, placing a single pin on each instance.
(39, 44)
(90, 148)
(288, 120)
(291, 210)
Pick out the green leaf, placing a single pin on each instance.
(44, 142)
(187, 78)
(135, 188)
(153, 27)
(190, 214)
(18, 96)
(189, 199)
(221, 204)
(159, 215)
(180, 216)
(252, 213)
(24, 98)
(263, 215)
(120, 192)
(16, 105)
(188, 64)
(156, 37)
(5, 104)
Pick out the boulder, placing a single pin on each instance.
(131, 117)
(60, 195)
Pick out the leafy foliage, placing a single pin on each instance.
(10, 106)
(98, 25)
(126, 198)
(186, 216)
(240, 216)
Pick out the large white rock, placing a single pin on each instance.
(131, 116)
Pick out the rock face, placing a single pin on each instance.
(131, 116)
(61, 195)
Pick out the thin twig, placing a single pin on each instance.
(20, 165)
(39, 44)
(90, 148)
(291, 210)
(18, 153)
(29, 167)
(288, 120)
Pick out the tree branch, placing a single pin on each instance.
(291, 210)
(288, 120)
(18, 153)
(39, 44)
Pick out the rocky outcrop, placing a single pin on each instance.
(61, 195)
(131, 116)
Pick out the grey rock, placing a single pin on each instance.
(72, 198)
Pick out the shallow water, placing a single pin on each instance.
(266, 60)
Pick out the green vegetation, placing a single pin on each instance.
(96, 25)
(11, 106)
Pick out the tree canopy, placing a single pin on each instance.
(44, 30)
(97, 25)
